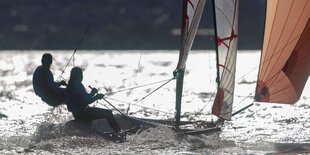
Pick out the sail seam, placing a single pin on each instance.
(278, 52)
(271, 86)
(268, 44)
(287, 41)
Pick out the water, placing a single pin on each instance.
(32, 127)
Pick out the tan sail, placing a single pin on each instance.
(285, 61)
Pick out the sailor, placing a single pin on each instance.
(79, 99)
(44, 85)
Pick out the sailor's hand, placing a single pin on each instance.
(63, 83)
(99, 96)
(94, 91)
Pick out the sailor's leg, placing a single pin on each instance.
(96, 113)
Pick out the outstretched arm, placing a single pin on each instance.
(92, 96)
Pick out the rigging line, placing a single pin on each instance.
(121, 90)
(277, 73)
(247, 73)
(115, 108)
(265, 61)
(80, 42)
(244, 99)
(139, 106)
(274, 79)
(78, 45)
(137, 69)
(244, 108)
(212, 96)
(210, 82)
(135, 77)
(237, 112)
(111, 105)
(102, 105)
(155, 90)
(272, 76)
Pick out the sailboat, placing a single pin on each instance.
(284, 66)
(226, 31)
(283, 69)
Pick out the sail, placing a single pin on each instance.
(285, 59)
(226, 31)
(192, 11)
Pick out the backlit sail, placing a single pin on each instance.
(226, 31)
(192, 11)
(285, 60)
(191, 15)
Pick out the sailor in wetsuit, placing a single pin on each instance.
(79, 99)
(44, 85)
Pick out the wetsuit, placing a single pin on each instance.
(78, 100)
(45, 87)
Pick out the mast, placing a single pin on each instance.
(216, 47)
(191, 15)
(179, 92)
(179, 73)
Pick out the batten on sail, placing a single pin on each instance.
(285, 61)
(226, 19)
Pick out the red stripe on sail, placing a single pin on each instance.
(220, 41)
(222, 65)
(189, 1)
(218, 102)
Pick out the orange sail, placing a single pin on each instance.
(285, 60)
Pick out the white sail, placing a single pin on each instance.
(192, 12)
(226, 18)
